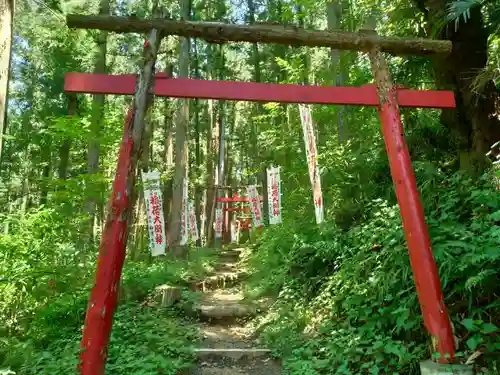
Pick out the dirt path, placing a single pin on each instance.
(228, 347)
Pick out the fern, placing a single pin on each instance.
(461, 9)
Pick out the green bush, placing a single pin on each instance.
(346, 298)
(45, 284)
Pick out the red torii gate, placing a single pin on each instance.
(383, 95)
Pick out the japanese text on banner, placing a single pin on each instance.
(218, 223)
(193, 225)
(255, 205)
(154, 210)
(184, 214)
(274, 195)
(312, 160)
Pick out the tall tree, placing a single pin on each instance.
(181, 140)
(334, 18)
(94, 147)
(64, 149)
(6, 24)
(475, 122)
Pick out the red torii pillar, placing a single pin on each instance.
(423, 265)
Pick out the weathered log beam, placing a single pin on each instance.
(259, 33)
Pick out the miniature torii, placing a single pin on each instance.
(382, 95)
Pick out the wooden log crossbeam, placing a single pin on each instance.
(263, 33)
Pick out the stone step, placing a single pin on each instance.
(243, 366)
(226, 266)
(220, 280)
(226, 312)
(227, 306)
(229, 255)
(233, 353)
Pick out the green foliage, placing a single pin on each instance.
(46, 277)
(346, 299)
(145, 340)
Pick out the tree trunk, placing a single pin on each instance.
(64, 150)
(168, 154)
(334, 13)
(256, 109)
(96, 125)
(475, 122)
(221, 167)
(212, 142)
(46, 171)
(198, 191)
(213, 176)
(181, 142)
(6, 24)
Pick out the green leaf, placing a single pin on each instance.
(468, 323)
(474, 342)
(488, 328)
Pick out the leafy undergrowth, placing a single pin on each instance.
(43, 299)
(145, 341)
(346, 301)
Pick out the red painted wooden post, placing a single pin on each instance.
(104, 295)
(424, 267)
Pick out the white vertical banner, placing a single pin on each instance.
(184, 213)
(255, 204)
(235, 231)
(312, 160)
(154, 210)
(218, 223)
(203, 218)
(274, 195)
(193, 224)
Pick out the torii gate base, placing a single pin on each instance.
(423, 265)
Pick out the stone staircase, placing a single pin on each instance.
(228, 347)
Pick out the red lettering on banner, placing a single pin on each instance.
(155, 211)
(275, 197)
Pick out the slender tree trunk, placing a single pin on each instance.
(168, 154)
(230, 163)
(138, 221)
(334, 13)
(181, 142)
(210, 180)
(6, 24)
(94, 146)
(64, 150)
(221, 125)
(256, 108)
(198, 190)
(212, 176)
(221, 167)
(46, 171)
